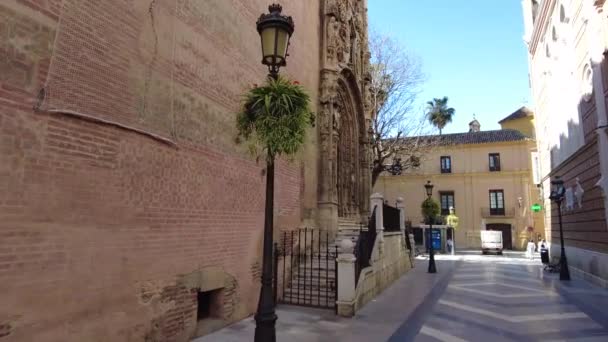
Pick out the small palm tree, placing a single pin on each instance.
(438, 113)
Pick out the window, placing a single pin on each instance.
(494, 161)
(447, 201)
(446, 164)
(497, 202)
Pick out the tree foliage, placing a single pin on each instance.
(396, 79)
(429, 209)
(274, 117)
(438, 113)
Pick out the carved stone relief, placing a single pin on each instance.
(345, 108)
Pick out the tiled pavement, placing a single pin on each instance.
(510, 299)
(472, 298)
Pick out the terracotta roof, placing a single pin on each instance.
(518, 114)
(482, 137)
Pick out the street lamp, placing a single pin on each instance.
(395, 168)
(275, 31)
(429, 193)
(557, 196)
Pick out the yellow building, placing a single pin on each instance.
(487, 176)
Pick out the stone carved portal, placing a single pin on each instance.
(348, 151)
(345, 177)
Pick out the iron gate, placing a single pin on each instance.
(305, 269)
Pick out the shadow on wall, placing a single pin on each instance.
(577, 164)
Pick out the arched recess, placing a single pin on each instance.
(352, 188)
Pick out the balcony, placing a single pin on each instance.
(497, 212)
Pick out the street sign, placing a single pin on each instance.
(436, 238)
(536, 207)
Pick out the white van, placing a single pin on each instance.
(491, 241)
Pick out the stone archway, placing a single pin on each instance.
(349, 153)
(344, 114)
(344, 186)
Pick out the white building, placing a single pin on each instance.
(566, 41)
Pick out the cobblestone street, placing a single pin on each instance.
(471, 298)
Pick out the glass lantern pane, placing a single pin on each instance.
(268, 37)
(283, 39)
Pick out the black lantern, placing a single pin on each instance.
(557, 196)
(429, 194)
(429, 189)
(275, 31)
(396, 168)
(557, 189)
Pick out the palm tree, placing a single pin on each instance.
(438, 113)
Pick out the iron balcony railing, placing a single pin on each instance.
(497, 212)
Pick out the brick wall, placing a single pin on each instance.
(101, 218)
(583, 227)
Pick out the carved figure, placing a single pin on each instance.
(344, 46)
(332, 7)
(569, 199)
(578, 193)
(328, 89)
(333, 40)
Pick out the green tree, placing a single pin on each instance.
(429, 210)
(438, 113)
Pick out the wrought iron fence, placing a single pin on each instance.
(306, 269)
(365, 246)
(391, 218)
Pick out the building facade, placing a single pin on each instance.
(486, 176)
(566, 43)
(127, 210)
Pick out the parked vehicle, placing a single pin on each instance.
(491, 241)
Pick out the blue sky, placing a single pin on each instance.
(471, 50)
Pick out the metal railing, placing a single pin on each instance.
(391, 217)
(365, 246)
(497, 212)
(307, 269)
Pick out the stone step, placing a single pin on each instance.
(323, 292)
(310, 293)
(321, 302)
(330, 278)
(294, 259)
(300, 280)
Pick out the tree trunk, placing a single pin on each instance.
(376, 171)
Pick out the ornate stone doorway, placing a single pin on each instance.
(344, 114)
(348, 153)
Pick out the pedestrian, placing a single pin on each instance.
(544, 253)
(449, 245)
(530, 249)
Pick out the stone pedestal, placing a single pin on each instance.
(346, 280)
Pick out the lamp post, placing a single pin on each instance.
(275, 31)
(557, 196)
(429, 193)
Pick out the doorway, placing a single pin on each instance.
(507, 241)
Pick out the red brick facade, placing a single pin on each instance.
(119, 175)
(583, 227)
